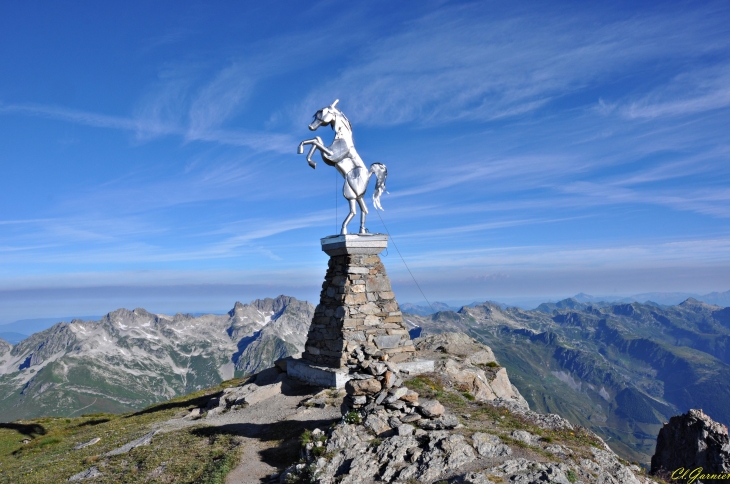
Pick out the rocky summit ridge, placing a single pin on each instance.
(620, 370)
(484, 432)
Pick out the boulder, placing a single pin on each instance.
(411, 397)
(458, 344)
(431, 408)
(489, 445)
(524, 436)
(476, 478)
(482, 357)
(89, 473)
(378, 425)
(363, 387)
(445, 422)
(473, 380)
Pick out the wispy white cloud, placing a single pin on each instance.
(457, 231)
(85, 118)
(129, 240)
(525, 170)
(24, 222)
(220, 98)
(701, 163)
(152, 127)
(709, 201)
(692, 252)
(689, 93)
(466, 63)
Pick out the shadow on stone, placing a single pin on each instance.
(243, 344)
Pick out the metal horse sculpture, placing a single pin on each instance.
(342, 155)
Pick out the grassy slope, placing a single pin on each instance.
(183, 456)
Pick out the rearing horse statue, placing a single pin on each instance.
(342, 155)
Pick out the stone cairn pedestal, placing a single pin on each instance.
(358, 339)
(357, 315)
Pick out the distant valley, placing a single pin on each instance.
(619, 369)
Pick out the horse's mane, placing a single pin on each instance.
(347, 121)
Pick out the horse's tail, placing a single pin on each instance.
(381, 173)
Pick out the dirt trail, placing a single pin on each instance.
(268, 429)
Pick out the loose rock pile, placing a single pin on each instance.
(377, 394)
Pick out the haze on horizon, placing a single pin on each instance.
(534, 151)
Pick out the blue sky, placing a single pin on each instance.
(148, 149)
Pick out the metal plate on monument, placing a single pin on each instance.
(354, 244)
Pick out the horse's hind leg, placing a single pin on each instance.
(363, 213)
(349, 217)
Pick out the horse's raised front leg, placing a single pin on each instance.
(316, 143)
(349, 217)
(311, 162)
(363, 213)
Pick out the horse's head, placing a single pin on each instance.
(325, 116)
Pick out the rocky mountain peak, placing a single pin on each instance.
(690, 441)
(691, 302)
(238, 308)
(628, 309)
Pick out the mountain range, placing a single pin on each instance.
(661, 298)
(130, 359)
(19, 330)
(619, 369)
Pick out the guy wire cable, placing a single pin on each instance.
(404, 261)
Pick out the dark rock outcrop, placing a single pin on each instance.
(691, 441)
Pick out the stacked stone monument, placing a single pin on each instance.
(358, 340)
(357, 315)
